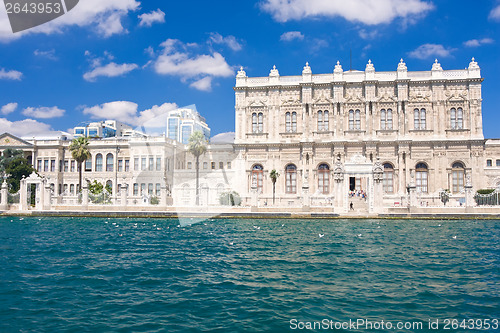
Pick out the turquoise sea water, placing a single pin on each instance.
(149, 275)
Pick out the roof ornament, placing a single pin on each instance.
(274, 72)
(338, 68)
(307, 69)
(436, 66)
(473, 64)
(402, 66)
(370, 67)
(241, 72)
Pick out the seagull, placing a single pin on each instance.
(359, 235)
(114, 223)
(22, 218)
(158, 228)
(454, 237)
(439, 225)
(121, 235)
(154, 225)
(231, 243)
(321, 235)
(282, 225)
(256, 227)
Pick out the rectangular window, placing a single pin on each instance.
(150, 189)
(127, 165)
(39, 165)
(221, 165)
(45, 165)
(158, 189)
(72, 188)
(65, 188)
(213, 165)
(158, 164)
(205, 165)
(498, 163)
(189, 165)
(458, 181)
(120, 165)
(136, 189)
(52, 165)
(143, 188)
(151, 164)
(66, 165)
(88, 164)
(489, 163)
(136, 164)
(229, 165)
(143, 164)
(73, 163)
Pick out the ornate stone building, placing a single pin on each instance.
(367, 137)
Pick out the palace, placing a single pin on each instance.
(364, 141)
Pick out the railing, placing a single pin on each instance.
(492, 199)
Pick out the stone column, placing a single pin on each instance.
(123, 195)
(4, 202)
(164, 195)
(23, 196)
(85, 195)
(469, 194)
(47, 203)
(306, 200)
(413, 196)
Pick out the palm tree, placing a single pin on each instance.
(80, 153)
(274, 176)
(197, 146)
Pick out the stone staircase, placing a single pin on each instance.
(360, 205)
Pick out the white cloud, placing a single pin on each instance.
(10, 75)
(24, 127)
(368, 35)
(44, 112)
(50, 54)
(176, 59)
(103, 16)
(147, 19)
(230, 41)
(478, 42)
(291, 35)
(369, 12)
(110, 70)
(495, 13)
(431, 50)
(204, 84)
(127, 112)
(8, 108)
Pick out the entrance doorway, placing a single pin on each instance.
(355, 184)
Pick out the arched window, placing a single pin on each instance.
(422, 176)
(388, 179)
(98, 162)
(320, 121)
(351, 120)
(357, 120)
(109, 162)
(288, 122)
(324, 179)
(458, 177)
(422, 119)
(254, 123)
(382, 119)
(457, 118)
(257, 177)
(294, 122)
(291, 179)
(389, 119)
(416, 123)
(325, 121)
(261, 122)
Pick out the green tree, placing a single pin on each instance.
(17, 169)
(8, 156)
(197, 146)
(274, 176)
(80, 153)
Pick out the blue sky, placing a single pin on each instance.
(131, 60)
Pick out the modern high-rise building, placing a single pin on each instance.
(183, 122)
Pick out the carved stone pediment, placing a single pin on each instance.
(353, 98)
(358, 159)
(290, 102)
(456, 96)
(9, 140)
(322, 99)
(257, 103)
(387, 99)
(420, 97)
